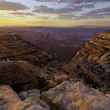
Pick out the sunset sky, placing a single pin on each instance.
(64, 13)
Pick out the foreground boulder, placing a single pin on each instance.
(76, 96)
(9, 100)
(92, 62)
(30, 93)
(31, 100)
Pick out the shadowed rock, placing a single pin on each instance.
(19, 73)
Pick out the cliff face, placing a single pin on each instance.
(12, 47)
(19, 60)
(92, 62)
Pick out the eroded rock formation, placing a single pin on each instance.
(9, 100)
(92, 62)
(38, 87)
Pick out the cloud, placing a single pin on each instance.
(98, 13)
(5, 5)
(46, 9)
(68, 9)
(21, 13)
(88, 1)
(63, 12)
(67, 16)
(73, 1)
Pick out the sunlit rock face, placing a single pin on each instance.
(92, 62)
(9, 100)
(76, 96)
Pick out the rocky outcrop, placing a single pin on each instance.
(32, 101)
(68, 95)
(14, 48)
(30, 93)
(34, 104)
(9, 100)
(71, 95)
(20, 74)
(38, 82)
(92, 62)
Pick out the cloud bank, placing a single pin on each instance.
(57, 9)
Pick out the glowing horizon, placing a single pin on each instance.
(56, 13)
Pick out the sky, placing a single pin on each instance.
(64, 13)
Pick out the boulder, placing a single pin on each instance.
(71, 95)
(31, 100)
(33, 103)
(30, 93)
(9, 99)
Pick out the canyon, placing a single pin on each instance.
(34, 75)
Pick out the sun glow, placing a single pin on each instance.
(37, 21)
